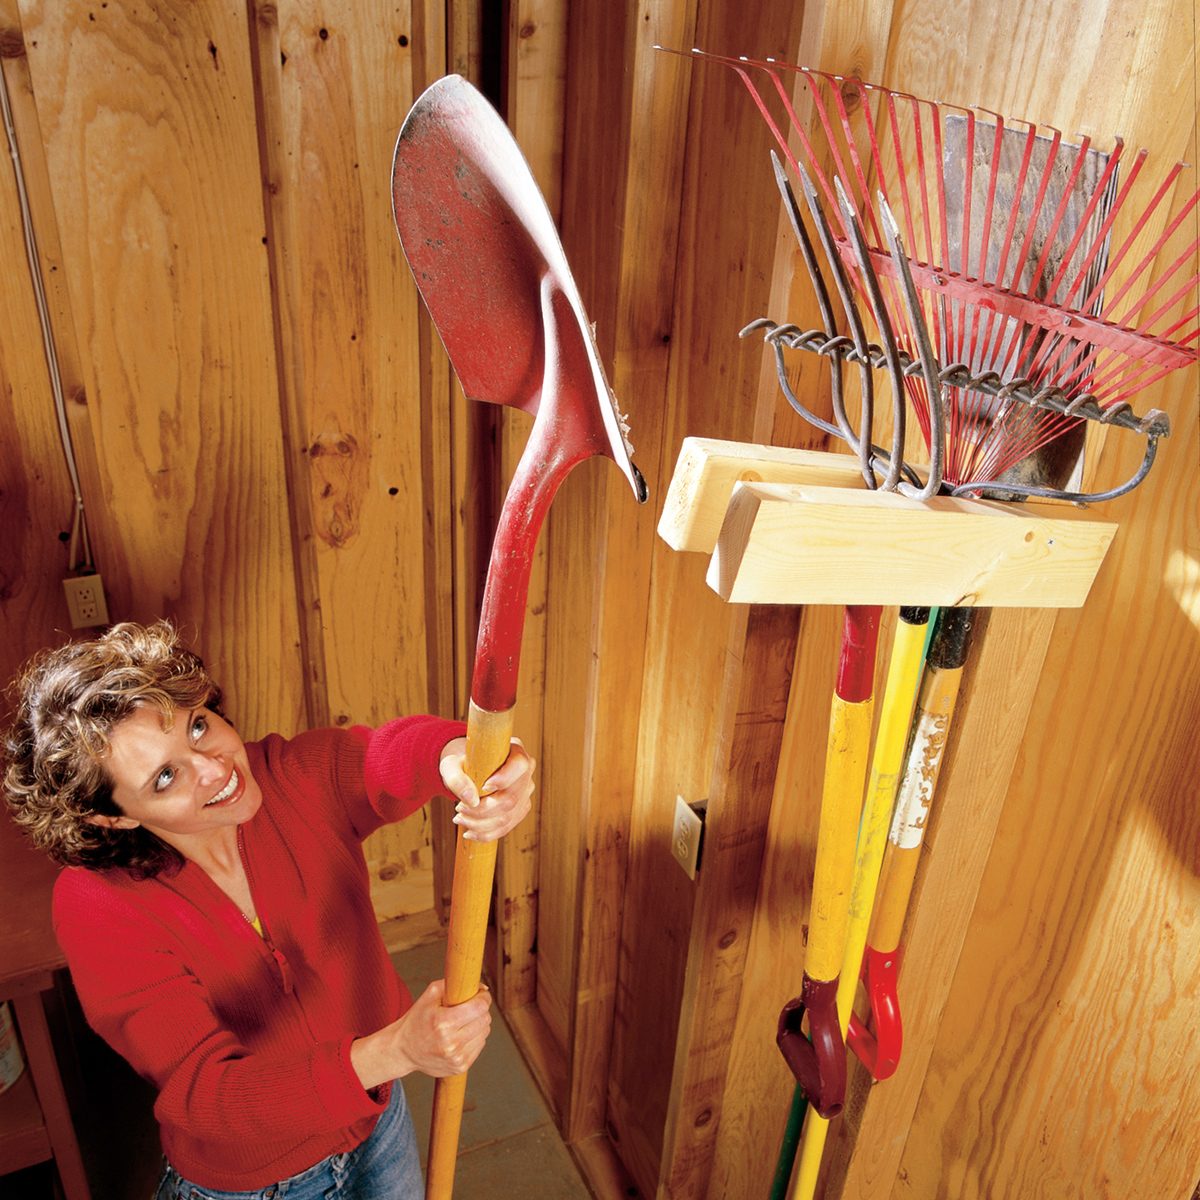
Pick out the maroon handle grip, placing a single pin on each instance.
(879, 1051)
(819, 1065)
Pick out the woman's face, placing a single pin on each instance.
(185, 783)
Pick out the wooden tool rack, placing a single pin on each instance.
(789, 528)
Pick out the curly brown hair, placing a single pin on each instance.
(68, 702)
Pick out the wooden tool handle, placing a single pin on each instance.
(935, 712)
(488, 739)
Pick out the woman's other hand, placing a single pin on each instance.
(507, 793)
(431, 1038)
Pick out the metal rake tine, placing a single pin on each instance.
(929, 367)
(887, 337)
(857, 330)
(806, 247)
(837, 347)
(855, 236)
(823, 303)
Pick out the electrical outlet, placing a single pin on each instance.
(85, 601)
(687, 834)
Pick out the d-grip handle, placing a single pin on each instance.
(819, 1065)
(879, 1050)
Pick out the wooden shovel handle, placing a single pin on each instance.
(488, 742)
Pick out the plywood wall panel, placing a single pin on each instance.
(754, 700)
(1071, 968)
(711, 393)
(346, 82)
(752, 1118)
(644, 131)
(1079, 960)
(576, 537)
(150, 144)
(337, 84)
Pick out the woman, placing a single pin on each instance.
(216, 915)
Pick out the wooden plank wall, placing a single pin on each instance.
(1027, 909)
(260, 412)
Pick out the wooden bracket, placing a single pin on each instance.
(793, 527)
(707, 470)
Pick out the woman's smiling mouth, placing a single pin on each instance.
(228, 793)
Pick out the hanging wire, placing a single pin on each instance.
(79, 547)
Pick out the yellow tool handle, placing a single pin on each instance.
(449, 1098)
(891, 740)
(488, 742)
(895, 717)
(841, 806)
(896, 881)
(935, 711)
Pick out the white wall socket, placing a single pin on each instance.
(687, 834)
(85, 601)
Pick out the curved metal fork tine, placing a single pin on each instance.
(981, 488)
(858, 332)
(819, 290)
(887, 335)
(929, 365)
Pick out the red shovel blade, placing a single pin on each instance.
(488, 262)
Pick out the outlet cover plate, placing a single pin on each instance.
(687, 834)
(85, 601)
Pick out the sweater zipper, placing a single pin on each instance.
(282, 965)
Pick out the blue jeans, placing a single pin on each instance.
(386, 1166)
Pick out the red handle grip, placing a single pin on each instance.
(879, 1051)
(819, 1065)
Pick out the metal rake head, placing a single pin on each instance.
(1016, 285)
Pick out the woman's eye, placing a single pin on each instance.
(199, 727)
(165, 778)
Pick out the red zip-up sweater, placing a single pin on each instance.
(247, 1038)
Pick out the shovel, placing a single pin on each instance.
(487, 261)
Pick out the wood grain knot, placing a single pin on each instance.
(338, 481)
(12, 44)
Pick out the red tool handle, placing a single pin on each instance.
(819, 1065)
(879, 1049)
